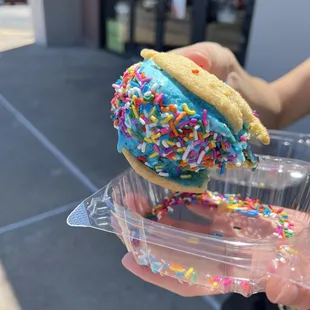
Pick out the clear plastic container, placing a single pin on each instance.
(210, 242)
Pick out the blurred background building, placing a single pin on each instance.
(125, 27)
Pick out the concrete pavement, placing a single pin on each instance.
(64, 94)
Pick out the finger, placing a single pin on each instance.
(197, 54)
(211, 56)
(283, 292)
(167, 283)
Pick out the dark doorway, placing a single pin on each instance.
(131, 25)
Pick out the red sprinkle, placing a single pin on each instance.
(141, 158)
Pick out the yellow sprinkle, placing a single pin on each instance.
(181, 149)
(154, 119)
(167, 119)
(148, 140)
(187, 110)
(215, 284)
(129, 131)
(232, 207)
(292, 251)
(189, 272)
(222, 206)
(185, 139)
(193, 240)
(170, 143)
(191, 135)
(156, 136)
(206, 135)
(174, 158)
(153, 155)
(134, 111)
(185, 176)
(159, 167)
(152, 111)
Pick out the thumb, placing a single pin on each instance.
(243, 86)
(235, 81)
(287, 293)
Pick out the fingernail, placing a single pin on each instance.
(287, 295)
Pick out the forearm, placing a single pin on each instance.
(293, 90)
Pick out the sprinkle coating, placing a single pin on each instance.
(181, 138)
(284, 228)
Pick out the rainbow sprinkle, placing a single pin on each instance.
(176, 137)
(284, 228)
(189, 274)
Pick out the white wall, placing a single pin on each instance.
(38, 17)
(279, 40)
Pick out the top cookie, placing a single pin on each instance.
(209, 88)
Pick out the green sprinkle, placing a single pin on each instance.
(203, 128)
(194, 277)
(148, 98)
(237, 227)
(157, 114)
(138, 135)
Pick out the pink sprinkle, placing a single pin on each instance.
(217, 279)
(138, 76)
(128, 99)
(156, 148)
(227, 281)
(204, 117)
(164, 130)
(244, 283)
(115, 86)
(193, 153)
(176, 114)
(243, 138)
(255, 113)
(193, 121)
(227, 144)
(160, 97)
(197, 142)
